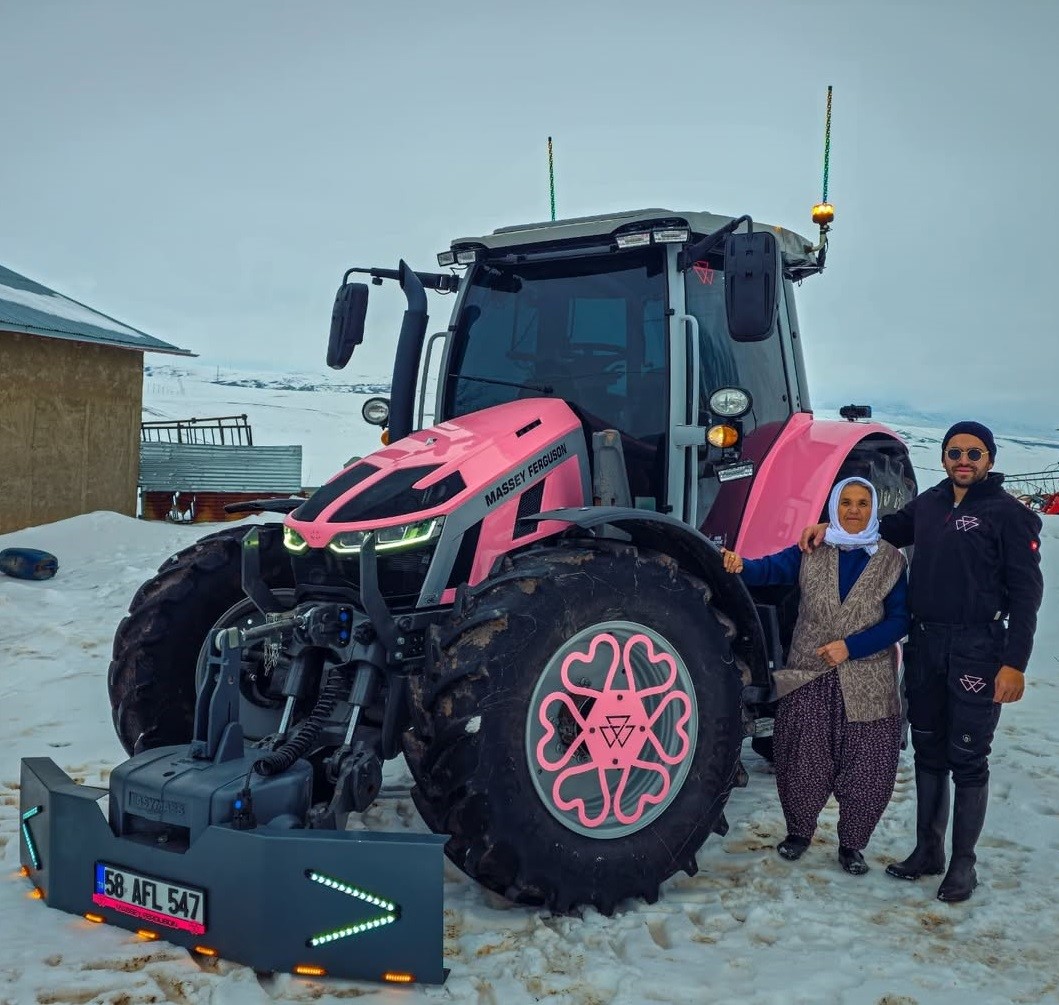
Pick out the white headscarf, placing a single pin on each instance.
(868, 539)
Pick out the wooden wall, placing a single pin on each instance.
(69, 429)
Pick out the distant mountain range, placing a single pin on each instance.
(298, 384)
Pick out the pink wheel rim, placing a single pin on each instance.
(610, 729)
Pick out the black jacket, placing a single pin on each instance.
(973, 560)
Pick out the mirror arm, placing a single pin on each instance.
(442, 282)
(690, 255)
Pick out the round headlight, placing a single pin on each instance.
(731, 402)
(376, 411)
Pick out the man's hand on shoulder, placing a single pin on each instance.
(1010, 684)
(812, 537)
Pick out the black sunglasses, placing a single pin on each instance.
(973, 454)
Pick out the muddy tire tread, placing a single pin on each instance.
(444, 757)
(151, 677)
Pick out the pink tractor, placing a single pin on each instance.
(526, 597)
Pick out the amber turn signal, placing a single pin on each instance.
(722, 436)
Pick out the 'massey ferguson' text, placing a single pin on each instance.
(519, 478)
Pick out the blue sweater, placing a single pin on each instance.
(782, 568)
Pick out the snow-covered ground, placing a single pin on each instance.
(749, 927)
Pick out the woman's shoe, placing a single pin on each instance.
(852, 861)
(792, 848)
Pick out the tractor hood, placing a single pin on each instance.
(486, 457)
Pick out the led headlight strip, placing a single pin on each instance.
(400, 538)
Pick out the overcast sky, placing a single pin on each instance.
(205, 171)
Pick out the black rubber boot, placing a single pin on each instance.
(968, 816)
(792, 847)
(852, 861)
(932, 817)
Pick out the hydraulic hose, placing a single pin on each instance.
(304, 735)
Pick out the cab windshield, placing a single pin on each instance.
(591, 331)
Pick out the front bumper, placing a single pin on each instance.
(269, 904)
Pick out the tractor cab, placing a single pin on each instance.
(636, 320)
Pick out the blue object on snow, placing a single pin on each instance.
(28, 563)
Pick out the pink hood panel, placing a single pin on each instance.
(480, 447)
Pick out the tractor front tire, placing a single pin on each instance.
(577, 727)
(152, 675)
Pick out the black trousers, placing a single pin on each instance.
(950, 672)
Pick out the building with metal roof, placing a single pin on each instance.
(31, 308)
(71, 393)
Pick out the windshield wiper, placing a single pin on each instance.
(543, 388)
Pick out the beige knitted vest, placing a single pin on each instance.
(869, 685)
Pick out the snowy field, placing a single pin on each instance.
(749, 927)
(326, 422)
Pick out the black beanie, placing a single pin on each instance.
(973, 429)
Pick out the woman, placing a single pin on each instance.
(838, 726)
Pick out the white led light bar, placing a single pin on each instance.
(633, 240)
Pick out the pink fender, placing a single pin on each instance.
(794, 479)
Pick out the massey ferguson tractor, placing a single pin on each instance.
(525, 598)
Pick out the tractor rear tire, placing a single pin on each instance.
(152, 674)
(886, 473)
(558, 645)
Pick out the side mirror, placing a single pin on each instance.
(752, 274)
(347, 323)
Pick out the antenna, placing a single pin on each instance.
(823, 211)
(551, 176)
(827, 142)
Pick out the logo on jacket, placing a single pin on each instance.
(966, 522)
(972, 684)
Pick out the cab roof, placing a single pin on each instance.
(799, 254)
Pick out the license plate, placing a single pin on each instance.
(150, 899)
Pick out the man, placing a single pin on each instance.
(976, 566)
